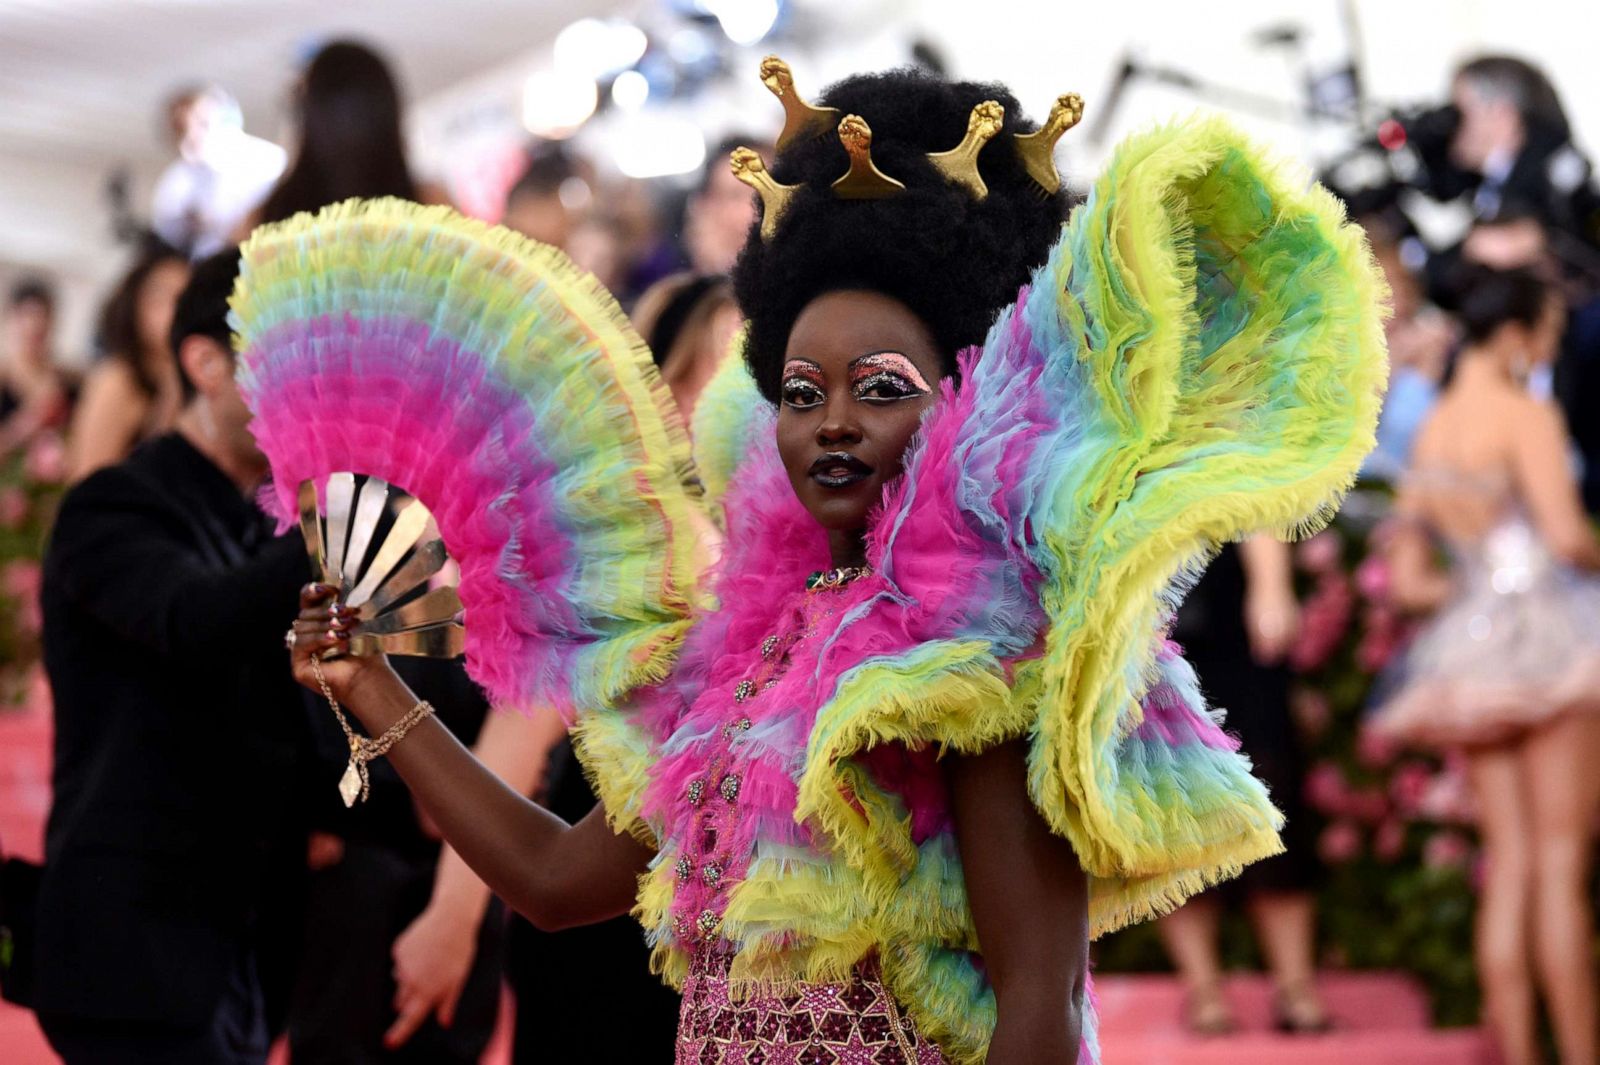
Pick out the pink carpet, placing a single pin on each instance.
(1382, 1019)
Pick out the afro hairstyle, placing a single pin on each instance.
(955, 261)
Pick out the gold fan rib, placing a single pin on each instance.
(369, 511)
(341, 494)
(311, 529)
(439, 605)
(408, 528)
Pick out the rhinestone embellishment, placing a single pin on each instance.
(685, 867)
(730, 731)
(712, 874)
(730, 787)
(745, 689)
(706, 922)
(697, 792)
(769, 647)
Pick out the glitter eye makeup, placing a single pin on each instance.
(801, 385)
(886, 376)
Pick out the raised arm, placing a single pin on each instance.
(555, 874)
(1030, 905)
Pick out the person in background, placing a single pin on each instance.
(1237, 626)
(552, 974)
(390, 910)
(596, 245)
(1507, 670)
(403, 944)
(548, 202)
(349, 140)
(718, 216)
(1420, 339)
(689, 321)
(221, 173)
(135, 391)
(174, 831)
(1522, 241)
(1516, 143)
(33, 396)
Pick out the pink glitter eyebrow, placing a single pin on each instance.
(888, 362)
(803, 368)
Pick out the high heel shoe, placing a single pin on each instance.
(1297, 1009)
(1206, 1011)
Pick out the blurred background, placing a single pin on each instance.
(137, 135)
(644, 90)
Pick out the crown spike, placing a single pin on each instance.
(960, 164)
(863, 181)
(800, 119)
(1038, 150)
(749, 168)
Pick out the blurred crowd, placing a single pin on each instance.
(390, 948)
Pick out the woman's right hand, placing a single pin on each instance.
(322, 632)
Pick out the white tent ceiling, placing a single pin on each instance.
(82, 83)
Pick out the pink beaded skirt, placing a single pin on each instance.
(858, 1023)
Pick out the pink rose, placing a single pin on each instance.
(1446, 850)
(13, 506)
(1372, 578)
(1323, 621)
(1320, 554)
(46, 459)
(1368, 804)
(1409, 787)
(1340, 842)
(1326, 788)
(20, 579)
(1389, 841)
(1375, 750)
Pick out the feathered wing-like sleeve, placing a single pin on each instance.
(1201, 357)
(499, 384)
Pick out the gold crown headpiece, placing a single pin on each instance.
(863, 180)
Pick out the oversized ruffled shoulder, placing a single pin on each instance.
(1200, 358)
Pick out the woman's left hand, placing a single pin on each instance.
(432, 959)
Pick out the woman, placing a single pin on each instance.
(349, 139)
(1237, 627)
(1508, 670)
(33, 396)
(135, 391)
(689, 321)
(821, 794)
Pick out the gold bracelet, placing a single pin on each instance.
(355, 783)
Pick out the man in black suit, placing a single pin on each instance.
(179, 735)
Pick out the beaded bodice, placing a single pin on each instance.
(728, 763)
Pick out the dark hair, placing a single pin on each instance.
(717, 158)
(1489, 299)
(202, 308)
(955, 261)
(32, 290)
(546, 172)
(1529, 90)
(119, 318)
(350, 142)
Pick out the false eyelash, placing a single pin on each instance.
(794, 387)
(884, 377)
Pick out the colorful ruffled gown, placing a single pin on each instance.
(1201, 357)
